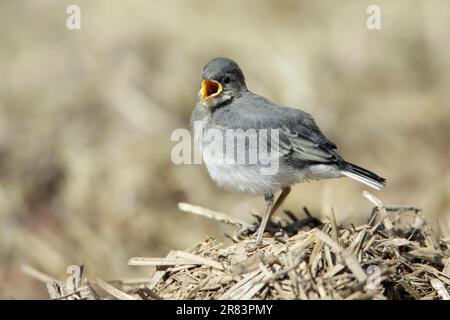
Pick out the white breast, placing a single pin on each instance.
(248, 177)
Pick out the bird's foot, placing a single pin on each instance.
(247, 232)
(251, 230)
(280, 228)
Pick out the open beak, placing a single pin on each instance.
(210, 89)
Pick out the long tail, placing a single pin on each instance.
(362, 175)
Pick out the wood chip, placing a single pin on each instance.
(112, 290)
(440, 289)
(186, 207)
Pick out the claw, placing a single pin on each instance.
(246, 232)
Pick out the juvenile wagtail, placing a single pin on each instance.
(303, 152)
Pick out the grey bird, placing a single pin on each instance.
(303, 152)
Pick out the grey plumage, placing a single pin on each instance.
(305, 153)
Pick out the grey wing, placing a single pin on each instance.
(300, 140)
(301, 149)
(303, 142)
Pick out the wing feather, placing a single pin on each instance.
(300, 142)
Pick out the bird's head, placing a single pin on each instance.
(222, 80)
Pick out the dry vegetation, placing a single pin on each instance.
(86, 118)
(387, 258)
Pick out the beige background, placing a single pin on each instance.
(86, 118)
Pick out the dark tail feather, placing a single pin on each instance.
(362, 175)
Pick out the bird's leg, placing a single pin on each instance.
(262, 226)
(283, 195)
(270, 210)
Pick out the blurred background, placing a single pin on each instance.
(86, 117)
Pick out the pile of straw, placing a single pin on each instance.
(387, 258)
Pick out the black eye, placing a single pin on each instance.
(226, 80)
